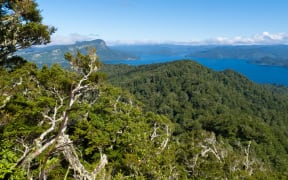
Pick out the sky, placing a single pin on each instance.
(168, 21)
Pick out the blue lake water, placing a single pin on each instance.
(257, 73)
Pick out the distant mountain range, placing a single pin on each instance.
(273, 55)
(55, 54)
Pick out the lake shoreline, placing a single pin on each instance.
(262, 74)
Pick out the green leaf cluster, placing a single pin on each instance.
(21, 27)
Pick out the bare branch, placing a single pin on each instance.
(18, 83)
(71, 156)
(25, 152)
(53, 120)
(31, 156)
(116, 103)
(154, 134)
(6, 100)
(210, 147)
(165, 142)
(247, 162)
(8, 97)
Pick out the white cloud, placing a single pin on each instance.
(71, 38)
(138, 42)
(263, 38)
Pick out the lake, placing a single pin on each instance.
(257, 73)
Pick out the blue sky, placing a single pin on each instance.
(162, 21)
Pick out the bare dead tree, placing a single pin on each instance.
(209, 146)
(155, 135)
(166, 139)
(7, 95)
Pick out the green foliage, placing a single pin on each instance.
(222, 125)
(82, 63)
(115, 125)
(30, 93)
(196, 98)
(8, 159)
(121, 130)
(21, 27)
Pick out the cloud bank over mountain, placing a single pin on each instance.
(264, 38)
(71, 38)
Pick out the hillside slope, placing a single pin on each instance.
(225, 103)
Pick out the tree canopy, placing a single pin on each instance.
(54, 122)
(199, 100)
(21, 26)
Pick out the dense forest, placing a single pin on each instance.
(221, 124)
(177, 120)
(103, 121)
(199, 100)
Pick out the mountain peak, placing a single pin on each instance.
(55, 54)
(96, 41)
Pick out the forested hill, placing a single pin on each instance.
(226, 103)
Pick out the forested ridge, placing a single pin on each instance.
(225, 103)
